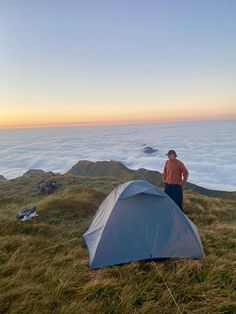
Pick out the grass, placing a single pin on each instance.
(44, 264)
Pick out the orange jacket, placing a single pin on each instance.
(175, 172)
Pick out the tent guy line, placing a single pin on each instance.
(165, 283)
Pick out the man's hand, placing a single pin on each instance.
(163, 176)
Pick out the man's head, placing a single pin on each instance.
(171, 154)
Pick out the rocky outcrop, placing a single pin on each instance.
(149, 150)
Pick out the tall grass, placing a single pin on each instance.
(44, 264)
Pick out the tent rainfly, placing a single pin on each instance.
(137, 221)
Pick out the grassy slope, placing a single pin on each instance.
(43, 263)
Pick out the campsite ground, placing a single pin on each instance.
(44, 264)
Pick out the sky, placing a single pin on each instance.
(114, 61)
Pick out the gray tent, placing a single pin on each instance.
(138, 221)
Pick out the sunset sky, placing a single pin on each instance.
(71, 61)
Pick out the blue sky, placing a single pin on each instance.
(114, 60)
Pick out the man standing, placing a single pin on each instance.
(174, 175)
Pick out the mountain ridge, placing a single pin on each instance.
(118, 170)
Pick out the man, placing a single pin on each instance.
(175, 174)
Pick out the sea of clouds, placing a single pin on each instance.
(208, 149)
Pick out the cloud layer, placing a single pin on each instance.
(208, 149)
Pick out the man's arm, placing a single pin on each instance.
(164, 174)
(185, 174)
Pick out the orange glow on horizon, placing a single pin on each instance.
(66, 123)
(28, 116)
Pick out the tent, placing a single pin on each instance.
(137, 221)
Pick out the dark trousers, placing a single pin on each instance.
(175, 192)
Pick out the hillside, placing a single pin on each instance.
(43, 263)
(120, 171)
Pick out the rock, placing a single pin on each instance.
(2, 178)
(48, 187)
(149, 150)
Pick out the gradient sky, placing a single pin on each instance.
(76, 61)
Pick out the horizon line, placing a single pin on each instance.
(111, 122)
